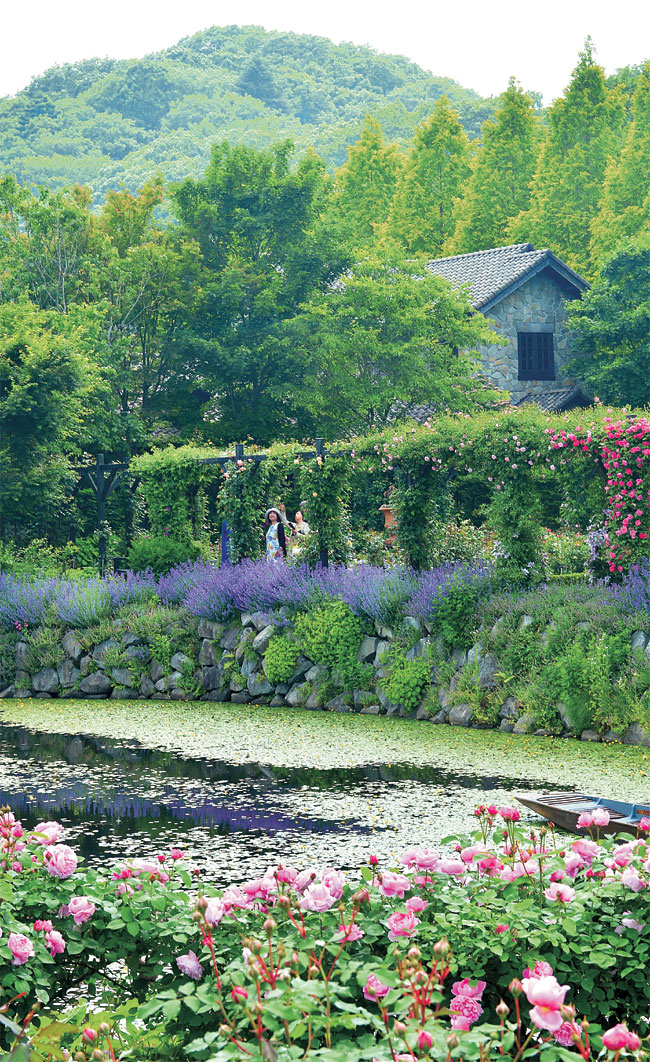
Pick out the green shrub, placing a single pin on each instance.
(280, 659)
(160, 553)
(455, 618)
(331, 635)
(8, 656)
(44, 648)
(407, 680)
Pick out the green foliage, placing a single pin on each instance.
(44, 648)
(611, 326)
(485, 704)
(162, 650)
(242, 500)
(8, 640)
(455, 618)
(625, 205)
(407, 680)
(502, 170)
(172, 482)
(280, 659)
(106, 122)
(325, 486)
(331, 635)
(584, 130)
(421, 217)
(358, 360)
(160, 553)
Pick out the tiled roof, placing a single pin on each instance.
(558, 399)
(493, 273)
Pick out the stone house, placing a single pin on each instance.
(523, 292)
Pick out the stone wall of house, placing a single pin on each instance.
(538, 305)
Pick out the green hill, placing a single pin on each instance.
(101, 122)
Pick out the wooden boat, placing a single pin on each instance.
(564, 809)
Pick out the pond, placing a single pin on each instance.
(242, 787)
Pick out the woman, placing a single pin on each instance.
(276, 539)
(300, 529)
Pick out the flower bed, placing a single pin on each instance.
(514, 941)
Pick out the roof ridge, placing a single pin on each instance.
(520, 248)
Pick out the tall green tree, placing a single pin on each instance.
(386, 332)
(502, 171)
(421, 216)
(251, 217)
(625, 205)
(584, 132)
(364, 188)
(611, 326)
(54, 399)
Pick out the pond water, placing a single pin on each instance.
(242, 787)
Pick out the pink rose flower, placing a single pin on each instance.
(461, 1022)
(546, 997)
(454, 867)
(541, 969)
(426, 859)
(416, 904)
(81, 909)
(286, 875)
(585, 848)
(214, 911)
(233, 896)
(585, 820)
(501, 927)
(631, 880)
(374, 989)
(510, 814)
(304, 880)
(424, 1040)
(402, 924)
(54, 942)
(238, 994)
(333, 881)
(190, 965)
(566, 1033)
(467, 1007)
(600, 817)
(629, 923)
(393, 884)
(350, 932)
(47, 832)
(467, 990)
(643, 824)
(20, 947)
(317, 898)
(42, 925)
(562, 893)
(618, 1037)
(60, 861)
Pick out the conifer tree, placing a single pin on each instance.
(421, 217)
(365, 187)
(625, 206)
(584, 131)
(502, 171)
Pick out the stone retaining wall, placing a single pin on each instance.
(231, 666)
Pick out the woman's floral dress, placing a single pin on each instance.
(273, 548)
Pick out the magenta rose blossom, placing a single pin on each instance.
(618, 1037)
(47, 832)
(20, 947)
(190, 965)
(466, 1007)
(54, 942)
(374, 989)
(60, 861)
(402, 924)
(81, 909)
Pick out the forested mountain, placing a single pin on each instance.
(102, 122)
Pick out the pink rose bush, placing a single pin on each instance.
(401, 952)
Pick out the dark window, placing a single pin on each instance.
(536, 355)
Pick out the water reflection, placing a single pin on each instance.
(121, 798)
